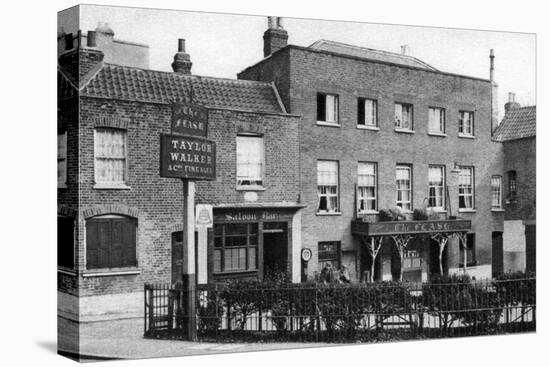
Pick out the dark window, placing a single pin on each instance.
(512, 185)
(111, 242)
(329, 252)
(65, 242)
(367, 112)
(235, 247)
(327, 108)
(470, 250)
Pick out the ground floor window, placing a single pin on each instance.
(111, 242)
(329, 253)
(65, 242)
(235, 247)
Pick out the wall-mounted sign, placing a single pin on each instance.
(189, 119)
(412, 227)
(306, 254)
(187, 157)
(203, 216)
(250, 196)
(252, 215)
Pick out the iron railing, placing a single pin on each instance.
(344, 313)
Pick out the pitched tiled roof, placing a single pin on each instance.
(369, 53)
(517, 123)
(130, 83)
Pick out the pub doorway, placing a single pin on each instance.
(275, 250)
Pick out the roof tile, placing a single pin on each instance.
(517, 123)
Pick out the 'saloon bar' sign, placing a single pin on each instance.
(187, 157)
(412, 227)
(189, 119)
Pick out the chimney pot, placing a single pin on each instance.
(181, 45)
(68, 41)
(91, 39)
(275, 37)
(511, 97)
(405, 49)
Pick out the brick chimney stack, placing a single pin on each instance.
(275, 37)
(182, 61)
(511, 103)
(78, 60)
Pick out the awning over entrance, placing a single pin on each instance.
(362, 228)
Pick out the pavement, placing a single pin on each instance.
(123, 339)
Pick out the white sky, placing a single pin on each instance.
(221, 45)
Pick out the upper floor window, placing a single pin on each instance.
(512, 185)
(403, 186)
(436, 187)
(466, 188)
(327, 108)
(366, 187)
(436, 120)
(496, 192)
(404, 116)
(111, 242)
(250, 160)
(110, 157)
(466, 123)
(327, 186)
(367, 112)
(61, 159)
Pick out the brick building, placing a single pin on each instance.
(381, 130)
(120, 224)
(517, 133)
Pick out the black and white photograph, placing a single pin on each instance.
(234, 182)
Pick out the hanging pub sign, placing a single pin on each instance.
(189, 119)
(188, 157)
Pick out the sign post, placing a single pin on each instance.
(204, 219)
(185, 153)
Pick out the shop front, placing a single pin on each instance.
(407, 250)
(253, 243)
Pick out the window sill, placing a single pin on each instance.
(404, 131)
(104, 186)
(464, 136)
(67, 271)
(497, 210)
(235, 272)
(365, 127)
(61, 186)
(328, 214)
(250, 188)
(368, 212)
(438, 210)
(467, 211)
(441, 135)
(110, 272)
(329, 124)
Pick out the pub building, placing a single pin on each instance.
(385, 131)
(120, 212)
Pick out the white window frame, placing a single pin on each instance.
(436, 187)
(110, 184)
(436, 116)
(466, 130)
(324, 189)
(398, 120)
(462, 187)
(496, 192)
(330, 110)
(404, 204)
(373, 113)
(366, 198)
(253, 182)
(62, 159)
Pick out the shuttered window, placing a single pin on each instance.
(111, 242)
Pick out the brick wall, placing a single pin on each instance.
(520, 156)
(350, 78)
(157, 202)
